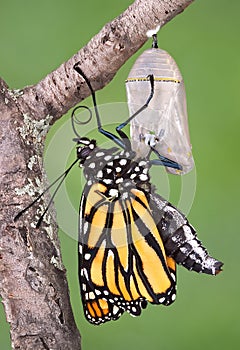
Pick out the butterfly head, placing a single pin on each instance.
(85, 147)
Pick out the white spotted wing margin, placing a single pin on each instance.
(122, 261)
(180, 238)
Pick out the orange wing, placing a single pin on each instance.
(122, 261)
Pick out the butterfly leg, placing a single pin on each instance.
(121, 126)
(119, 141)
(161, 159)
(164, 160)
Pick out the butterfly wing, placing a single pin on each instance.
(122, 261)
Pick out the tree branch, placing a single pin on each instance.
(100, 59)
(33, 283)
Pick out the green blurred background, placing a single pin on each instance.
(36, 37)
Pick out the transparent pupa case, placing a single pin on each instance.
(164, 123)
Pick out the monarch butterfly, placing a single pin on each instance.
(164, 124)
(129, 237)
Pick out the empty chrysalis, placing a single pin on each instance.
(164, 124)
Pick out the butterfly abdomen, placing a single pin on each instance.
(180, 238)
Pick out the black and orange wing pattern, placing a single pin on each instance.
(122, 261)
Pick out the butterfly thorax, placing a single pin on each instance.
(114, 168)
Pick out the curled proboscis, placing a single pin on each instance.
(75, 120)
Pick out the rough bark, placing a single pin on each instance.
(33, 282)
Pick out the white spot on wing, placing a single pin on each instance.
(85, 273)
(115, 309)
(91, 295)
(85, 227)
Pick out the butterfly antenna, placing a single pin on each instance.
(63, 176)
